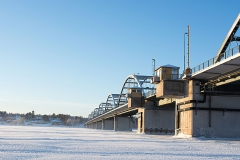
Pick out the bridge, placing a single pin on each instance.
(117, 111)
(202, 102)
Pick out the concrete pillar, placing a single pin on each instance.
(156, 121)
(140, 120)
(99, 125)
(176, 131)
(108, 124)
(122, 124)
(94, 125)
(103, 125)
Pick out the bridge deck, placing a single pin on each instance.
(122, 110)
(224, 66)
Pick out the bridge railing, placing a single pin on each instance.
(171, 76)
(150, 93)
(211, 62)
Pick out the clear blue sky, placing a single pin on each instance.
(66, 56)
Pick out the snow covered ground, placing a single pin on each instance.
(31, 142)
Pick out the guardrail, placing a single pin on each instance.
(211, 62)
(150, 93)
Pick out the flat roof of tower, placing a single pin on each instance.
(168, 66)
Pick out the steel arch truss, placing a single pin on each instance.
(90, 116)
(111, 103)
(95, 112)
(229, 38)
(116, 100)
(135, 81)
(104, 107)
(112, 100)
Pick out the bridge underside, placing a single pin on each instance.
(229, 81)
(225, 73)
(120, 111)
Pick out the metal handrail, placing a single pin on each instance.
(150, 93)
(211, 62)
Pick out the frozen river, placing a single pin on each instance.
(29, 142)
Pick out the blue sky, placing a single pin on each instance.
(66, 56)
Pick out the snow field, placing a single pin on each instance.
(31, 142)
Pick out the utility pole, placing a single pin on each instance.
(188, 46)
(184, 52)
(188, 70)
(153, 67)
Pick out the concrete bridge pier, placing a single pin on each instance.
(108, 124)
(156, 121)
(99, 125)
(209, 114)
(94, 125)
(122, 123)
(88, 126)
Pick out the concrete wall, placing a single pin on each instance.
(218, 123)
(186, 122)
(122, 124)
(162, 120)
(135, 102)
(221, 125)
(170, 89)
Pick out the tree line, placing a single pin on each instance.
(65, 119)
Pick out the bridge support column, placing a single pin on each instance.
(99, 125)
(108, 124)
(218, 116)
(94, 125)
(156, 121)
(122, 123)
